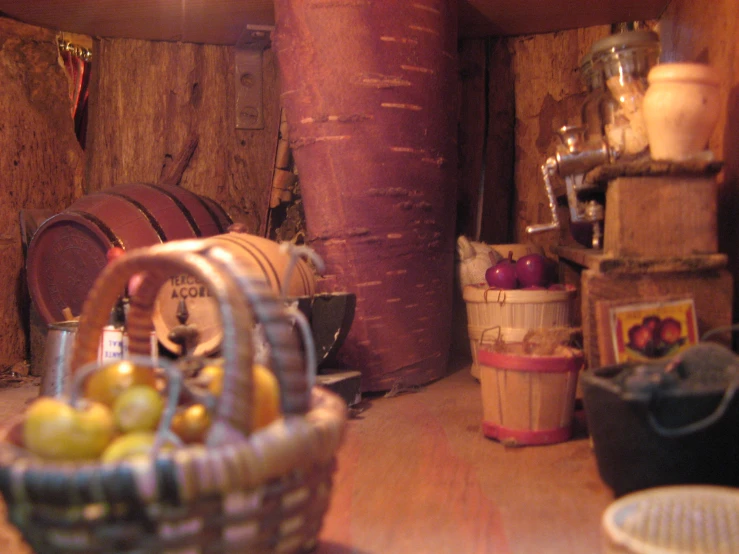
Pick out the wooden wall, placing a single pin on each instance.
(150, 100)
(41, 162)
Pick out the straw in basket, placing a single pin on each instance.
(244, 491)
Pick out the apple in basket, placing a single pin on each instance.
(120, 412)
(191, 422)
(535, 270)
(54, 430)
(503, 274)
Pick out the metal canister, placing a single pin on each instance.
(57, 356)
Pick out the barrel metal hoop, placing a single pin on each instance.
(145, 212)
(114, 239)
(188, 215)
(212, 213)
(258, 259)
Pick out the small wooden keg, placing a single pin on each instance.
(185, 291)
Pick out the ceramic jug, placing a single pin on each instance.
(681, 109)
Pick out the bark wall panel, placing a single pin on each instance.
(150, 99)
(41, 161)
(373, 119)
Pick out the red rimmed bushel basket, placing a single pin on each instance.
(528, 399)
(242, 490)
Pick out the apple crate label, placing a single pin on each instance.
(653, 330)
(111, 344)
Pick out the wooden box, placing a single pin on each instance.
(711, 289)
(603, 277)
(661, 216)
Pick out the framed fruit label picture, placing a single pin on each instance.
(645, 331)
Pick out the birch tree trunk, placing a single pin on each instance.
(369, 89)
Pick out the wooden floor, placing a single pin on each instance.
(416, 475)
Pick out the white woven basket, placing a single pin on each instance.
(684, 519)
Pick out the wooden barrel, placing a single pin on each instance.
(263, 255)
(67, 252)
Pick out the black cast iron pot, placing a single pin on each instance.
(669, 423)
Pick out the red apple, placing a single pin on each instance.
(534, 270)
(502, 275)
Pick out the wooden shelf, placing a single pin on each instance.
(602, 262)
(223, 21)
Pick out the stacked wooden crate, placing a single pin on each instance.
(660, 242)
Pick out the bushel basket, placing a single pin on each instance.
(242, 491)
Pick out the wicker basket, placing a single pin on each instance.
(507, 315)
(265, 491)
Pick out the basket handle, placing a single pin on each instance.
(500, 292)
(294, 366)
(482, 335)
(701, 424)
(234, 409)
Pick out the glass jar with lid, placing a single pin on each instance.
(590, 111)
(598, 107)
(625, 59)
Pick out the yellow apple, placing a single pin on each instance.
(192, 423)
(138, 408)
(266, 397)
(54, 430)
(128, 446)
(106, 384)
(212, 375)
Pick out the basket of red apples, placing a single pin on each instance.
(519, 295)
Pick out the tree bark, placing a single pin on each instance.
(370, 92)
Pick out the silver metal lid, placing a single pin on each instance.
(621, 41)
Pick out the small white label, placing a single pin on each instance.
(111, 345)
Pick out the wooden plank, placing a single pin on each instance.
(472, 123)
(41, 162)
(416, 474)
(221, 21)
(524, 17)
(149, 100)
(497, 201)
(661, 217)
(195, 21)
(608, 263)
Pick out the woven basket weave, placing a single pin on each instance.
(265, 491)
